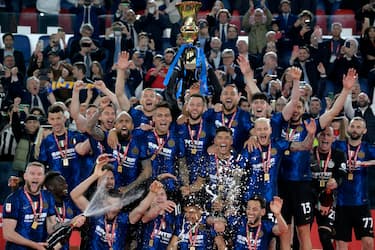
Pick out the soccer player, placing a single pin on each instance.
(352, 210)
(222, 176)
(295, 171)
(130, 168)
(57, 149)
(251, 232)
(325, 166)
(197, 134)
(193, 232)
(148, 98)
(110, 230)
(158, 222)
(232, 116)
(29, 213)
(262, 164)
(164, 146)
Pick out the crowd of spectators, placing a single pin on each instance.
(68, 87)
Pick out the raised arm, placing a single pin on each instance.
(144, 175)
(100, 85)
(77, 194)
(348, 81)
(248, 73)
(136, 214)
(308, 142)
(80, 120)
(288, 110)
(122, 66)
(94, 130)
(275, 206)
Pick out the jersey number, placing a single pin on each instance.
(368, 222)
(306, 207)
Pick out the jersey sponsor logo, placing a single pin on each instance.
(243, 240)
(321, 175)
(30, 217)
(102, 234)
(8, 207)
(129, 162)
(164, 237)
(164, 151)
(70, 154)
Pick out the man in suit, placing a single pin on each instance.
(330, 49)
(233, 71)
(285, 21)
(221, 29)
(88, 53)
(8, 40)
(34, 98)
(310, 73)
(121, 41)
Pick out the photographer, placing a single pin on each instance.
(88, 12)
(89, 52)
(154, 22)
(120, 41)
(302, 29)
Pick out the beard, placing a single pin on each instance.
(355, 136)
(252, 223)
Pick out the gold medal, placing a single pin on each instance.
(192, 248)
(350, 176)
(322, 183)
(266, 177)
(119, 168)
(193, 151)
(287, 152)
(111, 248)
(153, 157)
(65, 162)
(221, 188)
(35, 224)
(151, 243)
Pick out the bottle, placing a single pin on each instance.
(60, 236)
(326, 198)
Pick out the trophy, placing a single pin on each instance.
(190, 58)
(188, 12)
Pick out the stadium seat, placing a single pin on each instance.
(29, 17)
(321, 20)
(65, 22)
(346, 18)
(45, 39)
(236, 20)
(22, 43)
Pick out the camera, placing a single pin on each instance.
(116, 28)
(86, 45)
(308, 22)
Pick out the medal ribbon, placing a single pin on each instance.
(325, 162)
(110, 236)
(198, 135)
(160, 142)
(162, 225)
(230, 122)
(290, 133)
(192, 239)
(61, 216)
(125, 153)
(36, 215)
(352, 160)
(249, 237)
(266, 161)
(63, 153)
